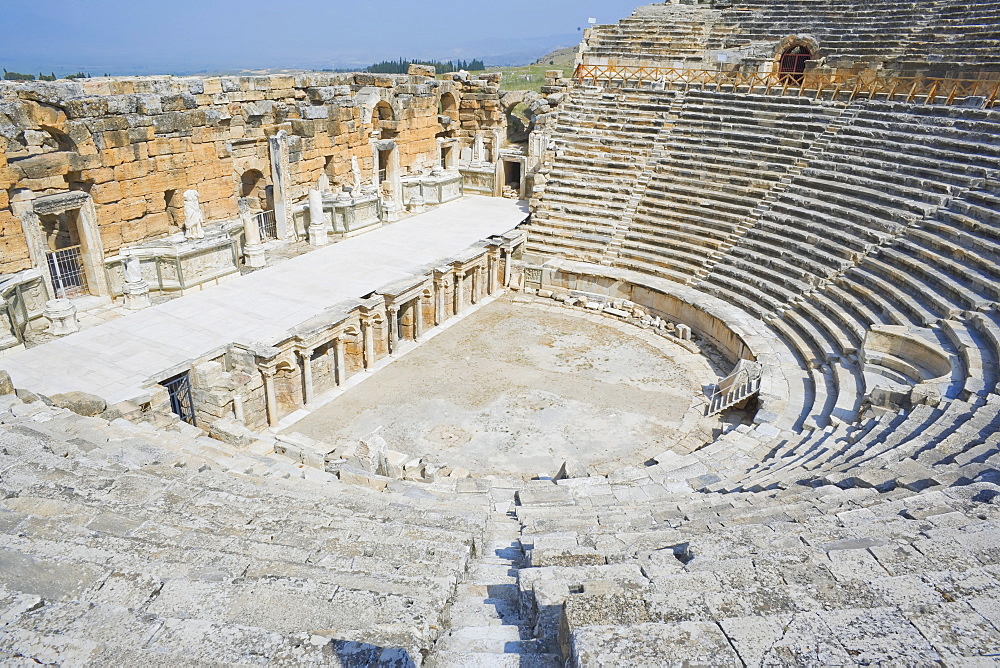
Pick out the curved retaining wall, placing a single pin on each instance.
(734, 332)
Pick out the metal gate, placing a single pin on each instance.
(793, 64)
(267, 225)
(66, 270)
(181, 403)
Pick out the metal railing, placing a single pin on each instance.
(181, 400)
(267, 225)
(921, 90)
(66, 269)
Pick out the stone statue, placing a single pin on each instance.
(193, 218)
(324, 183)
(133, 274)
(356, 173)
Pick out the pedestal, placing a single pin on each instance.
(418, 204)
(391, 211)
(136, 295)
(317, 235)
(253, 256)
(62, 315)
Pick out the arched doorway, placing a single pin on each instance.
(449, 107)
(792, 64)
(384, 120)
(252, 185)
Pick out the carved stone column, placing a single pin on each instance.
(317, 228)
(418, 316)
(339, 360)
(459, 291)
(307, 376)
(278, 148)
(254, 249)
(270, 396)
(493, 262)
(369, 342)
(392, 314)
(440, 312)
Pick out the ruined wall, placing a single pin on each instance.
(136, 144)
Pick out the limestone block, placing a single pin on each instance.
(6, 385)
(230, 431)
(422, 70)
(355, 476)
(81, 403)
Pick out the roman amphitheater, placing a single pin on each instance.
(689, 359)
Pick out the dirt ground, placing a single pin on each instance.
(518, 389)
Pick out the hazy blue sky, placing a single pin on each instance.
(121, 36)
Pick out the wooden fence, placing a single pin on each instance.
(922, 90)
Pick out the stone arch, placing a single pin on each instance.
(448, 106)
(519, 111)
(792, 55)
(57, 139)
(253, 185)
(382, 111)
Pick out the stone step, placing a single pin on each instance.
(460, 659)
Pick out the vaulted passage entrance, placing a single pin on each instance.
(793, 64)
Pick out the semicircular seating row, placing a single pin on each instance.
(822, 220)
(885, 30)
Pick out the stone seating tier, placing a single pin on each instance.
(898, 563)
(601, 145)
(124, 543)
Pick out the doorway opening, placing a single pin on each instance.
(181, 401)
(63, 253)
(792, 66)
(512, 177)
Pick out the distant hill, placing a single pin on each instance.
(559, 58)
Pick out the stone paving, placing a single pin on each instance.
(113, 360)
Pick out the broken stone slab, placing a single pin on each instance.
(571, 469)
(6, 384)
(618, 313)
(81, 403)
(233, 432)
(355, 476)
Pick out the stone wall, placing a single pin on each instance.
(136, 144)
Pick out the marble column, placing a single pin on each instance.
(307, 376)
(506, 268)
(278, 149)
(440, 314)
(270, 397)
(491, 273)
(459, 291)
(317, 228)
(253, 250)
(339, 361)
(369, 343)
(393, 315)
(418, 317)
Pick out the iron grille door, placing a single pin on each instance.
(66, 270)
(267, 225)
(181, 402)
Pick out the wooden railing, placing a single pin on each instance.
(922, 90)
